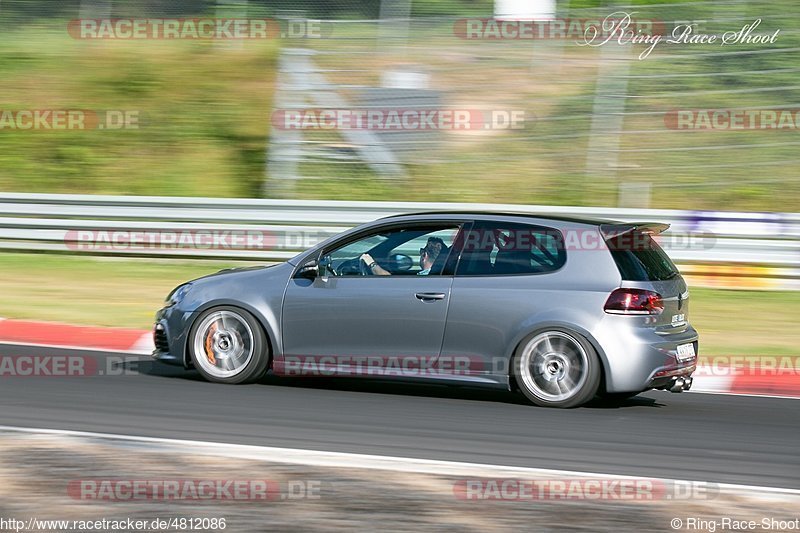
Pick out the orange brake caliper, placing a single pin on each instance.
(209, 341)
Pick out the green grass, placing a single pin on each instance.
(206, 108)
(734, 322)
(126, 292)
(203, 108)
(102, 291)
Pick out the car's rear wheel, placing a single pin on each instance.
(557, 368)
(228, 345)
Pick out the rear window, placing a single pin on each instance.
(502, 249)
(640, 258)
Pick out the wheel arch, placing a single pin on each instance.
(569, 327)
(269, 328)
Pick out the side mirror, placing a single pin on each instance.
(308, 271)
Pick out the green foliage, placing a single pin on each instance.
(205, 110)
(203, 113)
(458, 8)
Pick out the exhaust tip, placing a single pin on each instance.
(677, 385)
(687, 383)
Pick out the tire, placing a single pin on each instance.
(557, 368)
(228, 345)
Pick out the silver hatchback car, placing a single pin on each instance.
(561, 309)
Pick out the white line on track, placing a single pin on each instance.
(373, 462)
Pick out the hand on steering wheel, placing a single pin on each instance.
(364, 264)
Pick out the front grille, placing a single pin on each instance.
(160, 339)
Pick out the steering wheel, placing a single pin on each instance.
(365, 269)
(348, 268)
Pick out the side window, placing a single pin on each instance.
(500, 249)
(408, 251)
(355, 249)
(412, 248)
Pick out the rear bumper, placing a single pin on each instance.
(664, 377)
(639, 358)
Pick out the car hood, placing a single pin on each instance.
(236, 270)
(238, 285)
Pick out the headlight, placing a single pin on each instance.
(177, 295)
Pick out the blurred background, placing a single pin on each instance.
(596, 133)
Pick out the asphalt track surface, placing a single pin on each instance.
(704, 437)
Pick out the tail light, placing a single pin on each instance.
(634, 302)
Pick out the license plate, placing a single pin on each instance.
(686, 351)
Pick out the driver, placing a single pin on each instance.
(427, 257)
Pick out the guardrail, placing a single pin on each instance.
(753, 250)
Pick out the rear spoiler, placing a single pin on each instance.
(610, 231)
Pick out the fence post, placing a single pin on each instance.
(611, 91)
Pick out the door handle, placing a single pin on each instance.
(428, 296)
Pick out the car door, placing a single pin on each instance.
(345, 321)
(503, 281)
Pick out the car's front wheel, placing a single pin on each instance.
(556, 368)
(228, 345)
